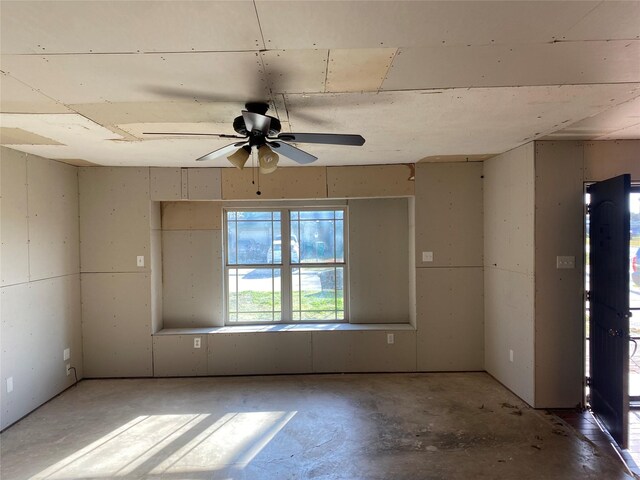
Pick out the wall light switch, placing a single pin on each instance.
(391, 338)
(427, 256)
(140, 261)
(9, 384)
(566, 262)
(196, 342)
(66, 354)
(511, 356)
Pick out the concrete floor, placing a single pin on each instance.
(384, 426)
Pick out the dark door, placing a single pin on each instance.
(609, 303)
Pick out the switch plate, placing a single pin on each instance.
(9, 384)
(427, 256)
(196, 342)
(511, 356)
(565, 262)
(391, 338)
(66, 354)
(140, 261)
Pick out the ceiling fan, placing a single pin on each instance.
(258, 130)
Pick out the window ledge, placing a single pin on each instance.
(320, 327)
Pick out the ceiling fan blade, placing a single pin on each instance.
(255, 121)
(219, 135)
(325, 138)
(292, 152)
(221, 152)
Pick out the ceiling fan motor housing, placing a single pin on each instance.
(240, 127)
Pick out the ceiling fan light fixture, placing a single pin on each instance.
(268, 159)
(239, 157)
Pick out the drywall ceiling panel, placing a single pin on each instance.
(364, 351)
(159, 130)
(370, 181)
(173, 152)
(442, 316)
(608, 21)
(375, 24)
(64, 128)
(457, 158)
(358, 70)
(16, 97)
(165, 183)
(448, 122)
(295, 71)
(17, 136)
(73, 79)
(204, 183)
(560, 63)
(612, 122)
(54, 240)
(259, 353)
(14, 252)
(191, 216)
(129, 26)
(289, 183)
(192, 279)
(628, 133)
(175, 356)
(116, 324)
(114, 219)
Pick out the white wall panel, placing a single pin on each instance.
(379, 261)
(450, 321)
(114, 219)
(204, 183)
(369, 181)
(175, 356)
(449, 214)
(192, 278)
(191, 216)
(606, 159)
(53, 219)
(116, 324)
(509, 317)
(364, 351)
(509, 210)
(559, 300)
(259, 353)
(14, 253)
(509, 325)
(166, 183)
(38, 321)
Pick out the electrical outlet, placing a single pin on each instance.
(566, 262)
(391, 338)
(427, 256)
(511, 355)
(140, 260)
(196, 342)
(68, 369)
(66, 354)
(9, 384)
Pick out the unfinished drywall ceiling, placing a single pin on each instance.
(135, 67)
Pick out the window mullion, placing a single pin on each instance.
(285, 271)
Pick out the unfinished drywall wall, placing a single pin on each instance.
(379, 260)
(448, 256)
(509, 269)
(559, 301)
(40, 294)
(607, 159)
(116, 221)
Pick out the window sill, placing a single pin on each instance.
(320, 327)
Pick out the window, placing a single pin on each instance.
(298, 279)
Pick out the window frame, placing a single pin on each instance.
(286, 266)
